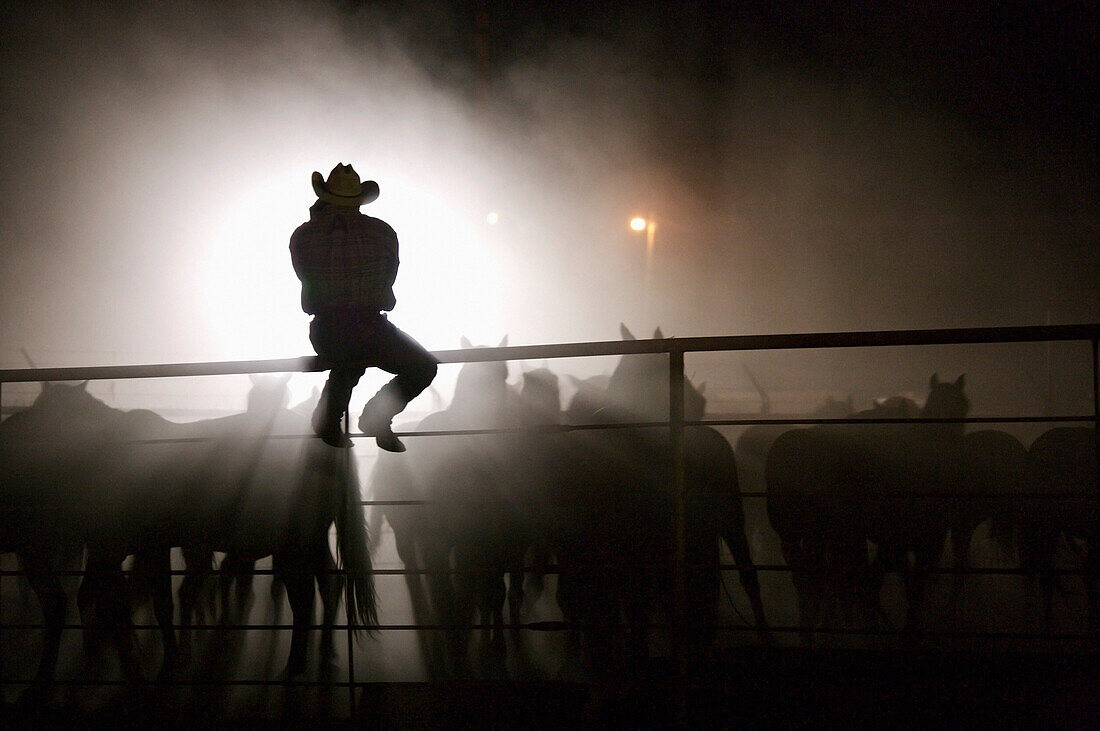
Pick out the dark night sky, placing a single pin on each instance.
(837, 166)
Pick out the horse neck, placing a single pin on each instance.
(952, 431)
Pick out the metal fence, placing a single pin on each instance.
(675, 350)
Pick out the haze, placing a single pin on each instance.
(846, 176)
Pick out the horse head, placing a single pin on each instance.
(587, 398)
(269, 394)
(947, 401)
(540, 396)
(639, 386)
(481, 387)
(65, 405)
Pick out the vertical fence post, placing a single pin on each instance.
(2, 647)
(1094, 539)
(679, 613)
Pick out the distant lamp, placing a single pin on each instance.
(492, 218)
(638, 224)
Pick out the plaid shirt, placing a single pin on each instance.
(345, 260)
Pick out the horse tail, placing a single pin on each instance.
(374, 526)
(353, 551)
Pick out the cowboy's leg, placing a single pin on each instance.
(331, 341)
(335, 396)
(413, 367)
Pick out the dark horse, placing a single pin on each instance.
(609, 507)
(992, 477)
(251, 484)
(38, 510)
(1061, 474)
(435, 499)
(831, 489)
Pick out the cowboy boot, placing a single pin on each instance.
(377, 415)
(329, 413)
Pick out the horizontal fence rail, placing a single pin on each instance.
(313, 364)
(675, 349)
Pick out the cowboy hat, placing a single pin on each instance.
(343, 187)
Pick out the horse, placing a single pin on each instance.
(831, 489)
(38, 449)
(434, 499)
(751, 452)
(268, 395)
(992, 477)
(537, 404)
(1061, 479)
(608, 493)
(249, 484)
(508, 530)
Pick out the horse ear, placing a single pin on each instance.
(83, 386)
(624, 331)
(961, 381)
(253, 379)
(284, 379)
(503, 342)
(465, 342)
(657, 334)
(935, 381)
(701, 388)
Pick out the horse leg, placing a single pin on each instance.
(330, 583)
(198, 564)
(444, 601)
(157, 568)
(738, 546)
(515, 596)
(495, 595)
(802, 576)
(962, 533)
(1037, 560)
(235, 586)
(467, 584)
(414, 582)
(299, 583)
(46, 586)
(87, 600)
(925, 557)
(405, 544)
(105, 588)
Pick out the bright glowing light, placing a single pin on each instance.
(492, 218)
(449, 284)
(638, 224)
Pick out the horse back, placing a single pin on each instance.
(1061, 464)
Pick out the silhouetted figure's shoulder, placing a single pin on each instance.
(330, 224)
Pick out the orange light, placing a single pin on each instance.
(638, 223)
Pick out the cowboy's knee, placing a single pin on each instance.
(422, 374)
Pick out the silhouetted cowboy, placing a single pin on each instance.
(347, 263)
